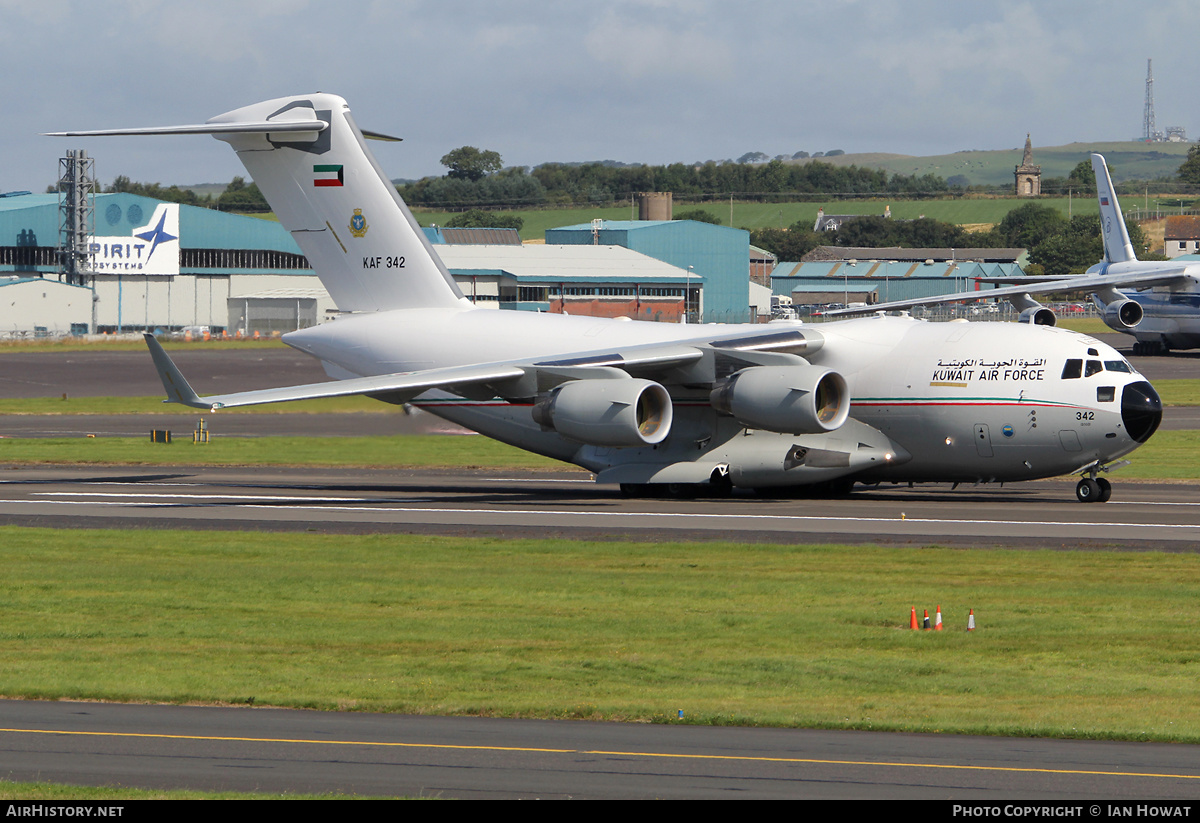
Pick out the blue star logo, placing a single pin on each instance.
(156, 235)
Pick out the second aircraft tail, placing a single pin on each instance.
(1117, 248)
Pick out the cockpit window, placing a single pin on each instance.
(1117, 365)
(1093, 367)
(1072, 370)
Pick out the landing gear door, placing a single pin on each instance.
(983, 440)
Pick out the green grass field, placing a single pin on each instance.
(12, 790)
(71, 344)
(1169, 455)
(155, 405)
(400, 451)
(1096, 644)
(1126, 160)
(782, 215)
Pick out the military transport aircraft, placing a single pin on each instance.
(658, 407)
(1162, 313)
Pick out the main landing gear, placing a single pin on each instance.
(1150, 347)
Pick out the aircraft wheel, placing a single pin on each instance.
(1105, 490)
(841, 488)
(680, 491)
(720, 487)
(1088, 490)
(635, 490)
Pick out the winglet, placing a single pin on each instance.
(1117, 248)
(178, 390)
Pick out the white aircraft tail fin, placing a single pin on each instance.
(311, 162)
(1117, 248)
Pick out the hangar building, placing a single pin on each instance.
(717, 257)
(157, 265)
(833, 274)
(163, 266)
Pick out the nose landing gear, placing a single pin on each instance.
(1096, 490)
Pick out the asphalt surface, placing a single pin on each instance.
(569, 505)
(272, 750)
(100, 373)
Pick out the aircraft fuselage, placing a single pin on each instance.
(962, 402)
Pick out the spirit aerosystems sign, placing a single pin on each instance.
(153, 249)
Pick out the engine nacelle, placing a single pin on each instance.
(618, 412)
(1038, 316)
(1123, 314)
(785, 399)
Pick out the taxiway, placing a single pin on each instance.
(1141, 516)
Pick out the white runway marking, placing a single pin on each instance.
(397, 506)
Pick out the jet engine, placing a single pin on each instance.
(1122, 314)
(786, 399)
(1038, 316)
(617, 413)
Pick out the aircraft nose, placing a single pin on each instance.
(1141, 410)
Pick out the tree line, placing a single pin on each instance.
(239, 196)
(567, 184)
(1056, 244)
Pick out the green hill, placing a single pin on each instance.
(1126, 161)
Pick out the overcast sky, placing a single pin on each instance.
(653, 81)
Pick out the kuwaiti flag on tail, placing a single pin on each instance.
(327, 175)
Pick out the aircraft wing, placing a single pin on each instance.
(516, 379)
(411, 383)
(1166, 275)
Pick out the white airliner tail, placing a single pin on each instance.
(311, 162)
(1117, 247)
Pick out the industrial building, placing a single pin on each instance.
(832, 274)
(168, 267)
(155, 265)
(717, 259)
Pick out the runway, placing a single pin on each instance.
(570, 505)
(273, 750)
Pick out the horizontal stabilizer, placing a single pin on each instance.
(258, 127)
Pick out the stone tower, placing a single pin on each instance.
(1029, 176)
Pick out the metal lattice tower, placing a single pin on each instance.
(1148, 130)
(77, 216)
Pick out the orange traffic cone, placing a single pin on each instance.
(925, 624)
(971, 621)
(912, 624)
(937, 623)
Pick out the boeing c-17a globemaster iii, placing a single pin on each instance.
(659, 407)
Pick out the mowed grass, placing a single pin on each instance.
(964, 210)
(155, 405)
(400, 451)
(1169, 455)
(1096, 644)
(21, 791)
(132, 343)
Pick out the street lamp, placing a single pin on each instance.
(687, 298)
